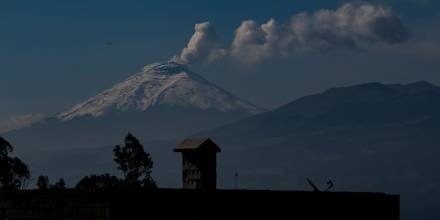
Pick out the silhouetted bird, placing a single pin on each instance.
(330, 185)
(315, 189)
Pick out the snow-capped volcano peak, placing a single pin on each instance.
(169, 83)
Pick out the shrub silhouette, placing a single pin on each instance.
(61, 184)
(43, 183)
(105, 181)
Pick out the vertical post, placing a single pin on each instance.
(235, 180)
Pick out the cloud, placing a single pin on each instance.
(203, 45)
(351, 26)
(19, 121)
(253, 43)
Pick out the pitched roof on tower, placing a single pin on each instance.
(196, 143)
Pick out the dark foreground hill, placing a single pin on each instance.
(122, 204)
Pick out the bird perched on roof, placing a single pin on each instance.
(316, 189)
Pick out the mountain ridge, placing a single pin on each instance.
(369, 137)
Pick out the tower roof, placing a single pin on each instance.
(190, 144)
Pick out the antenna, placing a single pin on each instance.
(236, 180)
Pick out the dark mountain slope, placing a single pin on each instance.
(370, 137)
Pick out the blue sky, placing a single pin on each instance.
(56, 53)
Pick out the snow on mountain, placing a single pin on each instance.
(167, 83)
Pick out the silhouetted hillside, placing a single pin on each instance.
(370, 137)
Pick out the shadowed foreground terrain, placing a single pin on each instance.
(195, 204)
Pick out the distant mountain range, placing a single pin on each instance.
(165, 101)
(369, 137)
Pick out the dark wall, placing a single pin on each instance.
(205, 165)
(193, 204)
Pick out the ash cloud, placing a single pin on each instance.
(203, 45)
(351, 26)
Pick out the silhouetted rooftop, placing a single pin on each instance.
(196, 143)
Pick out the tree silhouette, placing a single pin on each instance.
(43, 182)
(13, 172)
(5, 147)
(134, 163)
